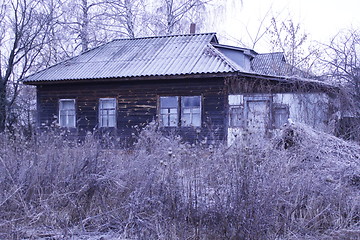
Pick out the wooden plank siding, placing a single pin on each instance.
(137, 105)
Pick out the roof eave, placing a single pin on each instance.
(287, 79)
(137, 78)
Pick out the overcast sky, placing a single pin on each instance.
(321, 19)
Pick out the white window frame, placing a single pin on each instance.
(180, 112)
(192, 111)
(66, 113)
(101, 116)
(167, 112)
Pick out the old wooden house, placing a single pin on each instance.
(188, 84)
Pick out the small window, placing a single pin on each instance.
(281, 115)
(67, 113)
(191, 111)
(169, 111)
(107, 112)
(236, 115)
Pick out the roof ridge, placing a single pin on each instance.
(166, 36)
(270, 53)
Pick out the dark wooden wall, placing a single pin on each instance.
(136, 105)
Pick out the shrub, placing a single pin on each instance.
(300, 183)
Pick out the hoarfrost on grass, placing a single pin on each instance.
(298, 184)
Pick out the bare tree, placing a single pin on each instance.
(261, 30)
(124, 17)
(81, 19)
(288, 37)
(27, 25)
(169, 15)
(342, 60)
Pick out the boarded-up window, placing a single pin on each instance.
(257, 113)
(236, 115)
(67, 113)
(191, 111)
(107, 112)
(281, 114)
(169, 111)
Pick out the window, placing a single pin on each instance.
(281, 115)
(169, 111)
(236, 115)
(191, 111)
(257, 112)
(107, 112)
(187, 109)
(67, 113)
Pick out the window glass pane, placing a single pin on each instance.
(103, 121)
(164, 120)
(196, 120)
(71, 112)
(112, 122)
(196, 110)
(173, 120)
(164, 111)
(186, 120)
(107, 103)
(169, 120)
(67, 104)
(186, 110)
(193, 101)
(168, 102)
(62, 121)
(71, 121)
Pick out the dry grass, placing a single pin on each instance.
(301, 184)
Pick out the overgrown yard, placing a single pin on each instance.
(301, 184)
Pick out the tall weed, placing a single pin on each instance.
(300, 183)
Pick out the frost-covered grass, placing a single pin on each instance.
(301, 184)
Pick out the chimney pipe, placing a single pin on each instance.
(192, 28)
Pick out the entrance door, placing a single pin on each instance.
(257, 115)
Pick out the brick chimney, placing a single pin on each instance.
(192, 28)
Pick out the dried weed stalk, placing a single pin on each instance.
(301, 183)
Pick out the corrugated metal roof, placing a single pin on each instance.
(153, 56)
(274, 64)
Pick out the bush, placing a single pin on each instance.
(300, 184)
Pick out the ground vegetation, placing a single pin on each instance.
(300, 184)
